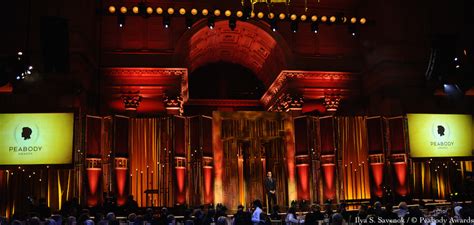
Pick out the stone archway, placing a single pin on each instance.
(250, 44)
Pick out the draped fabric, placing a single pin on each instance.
(151, 165)
(16, 185)
(438, 179)
(251, 144)
(354, 152)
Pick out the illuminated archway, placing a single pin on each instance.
(251, 44)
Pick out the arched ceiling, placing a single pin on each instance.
(247, 45)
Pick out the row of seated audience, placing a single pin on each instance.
(73, 214)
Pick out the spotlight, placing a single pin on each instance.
(149, 10)
(273, 25)
(217, 12)
(363, 20)
(293, 17)
(170, 11)
(227, 13)
(189, 22)
(332, 19)
(352, 30)
(121, 20)
(294, 26)
(210, 22)
(135, 9)
(111, 9)
(182, 11)
(205, 12)
(159, 10)
(260, 15)
(315, 27)
(239, 14)
(453, 90)
(314, 18)
(232, 23)
(166, 21)
(353, 20)
(282, 16)
(271, 16)
(123, 9)
(303, 17)
(324, 18)
(194, 12)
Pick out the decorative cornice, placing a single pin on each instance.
(224, 102)
(285, 75)
(150, 73)
(144, 72)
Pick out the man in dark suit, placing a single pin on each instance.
(270, 187)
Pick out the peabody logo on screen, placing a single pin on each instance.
(441, 133)
(26, 136)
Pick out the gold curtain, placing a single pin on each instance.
(16, 185)
(151, 162)
(354, 153)
(252, 143)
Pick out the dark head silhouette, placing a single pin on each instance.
(26, 133)
(441, 130)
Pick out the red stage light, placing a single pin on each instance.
(93, 175)
(121, 176)
(401, 174)
(377, 173)
(180, 181)
(329, 187)
(208, 194)
(303, 181)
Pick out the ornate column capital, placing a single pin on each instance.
(288, 103)
(331, 102)
(131, 101)
(173, 104)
